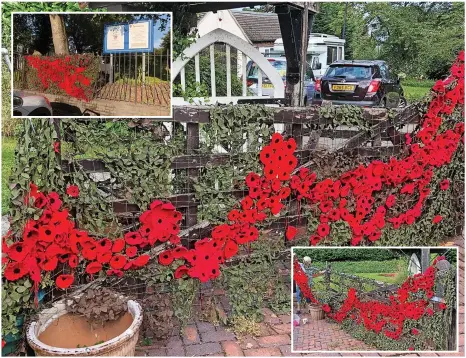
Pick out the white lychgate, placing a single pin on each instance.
(247, 50)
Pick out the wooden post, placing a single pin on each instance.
(192, 145)
(291, 27)
(304, 43)
(425, 259)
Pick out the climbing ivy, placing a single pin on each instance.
(255, 282)
(35, 162)
(240, 132)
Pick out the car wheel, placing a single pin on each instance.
(402, 102)
(40, 112)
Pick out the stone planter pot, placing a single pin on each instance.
(123, 345)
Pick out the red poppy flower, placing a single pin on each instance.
(117, 273)
(40, 201)
(414, 331)
(326, 308)
(54, 201)
(247, 203)
(64, 281)
(89, 254)
(133, 238)
(444, 184)
(93, 268)
(230, 249)
(47, 233)
(181, 271)
(437, 219)
(314, 240)
(442, 306)
(390, 201)
(252, 180)
(18, 251)
(104, 245)
(56, 147)
(323, 230)
(14, 271)
(49, 264)
(141, 261)
(118, 245)
(291, 232)
(131, 251)
(166, 258)
(117, 262)
(179, 252)
(73, 191)
(73, 261)
(104, 257)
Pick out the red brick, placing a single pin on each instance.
(190, 335)
(285, 318)
(203, 349)
(232, 349)
(263, 352)
(275, 340)
(282, 328)
(217, 336)
(248, 342)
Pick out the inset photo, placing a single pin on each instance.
(374, 299)
(91, 64)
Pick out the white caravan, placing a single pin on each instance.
(321, 52)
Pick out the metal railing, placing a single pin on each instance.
(133, 77)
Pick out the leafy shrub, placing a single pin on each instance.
(346, 254)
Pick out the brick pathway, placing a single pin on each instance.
(204, 339)
(325, 336)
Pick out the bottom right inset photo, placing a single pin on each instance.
(398, 299)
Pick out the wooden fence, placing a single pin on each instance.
(294, 120)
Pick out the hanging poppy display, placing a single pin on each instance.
(381, 317)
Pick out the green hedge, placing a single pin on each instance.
(346, 254)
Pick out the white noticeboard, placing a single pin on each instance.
(116, 37)
(139, 35)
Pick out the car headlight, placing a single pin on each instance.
(17, 101)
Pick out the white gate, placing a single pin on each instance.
(248, 51)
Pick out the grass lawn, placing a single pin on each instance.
(416, 89)
(8, 159)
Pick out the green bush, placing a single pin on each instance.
(346, 254)
(369, 266)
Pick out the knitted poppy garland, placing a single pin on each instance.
(411, 301)
(53, 242)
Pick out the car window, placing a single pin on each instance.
(384, 72)
(350, 72)
(279, 65)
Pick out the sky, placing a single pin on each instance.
(158, 34)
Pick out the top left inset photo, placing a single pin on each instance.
(102, 64)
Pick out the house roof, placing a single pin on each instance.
(259, 27)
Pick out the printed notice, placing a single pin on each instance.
(139, 35)
(116, 37)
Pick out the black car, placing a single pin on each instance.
(360, 83)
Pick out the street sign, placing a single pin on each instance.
(135, 36)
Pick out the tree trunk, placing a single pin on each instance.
(60, 39)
